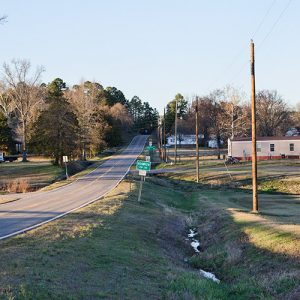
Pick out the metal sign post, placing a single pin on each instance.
(151, 150)
(65, 160)
(142, 166)
(140, 189)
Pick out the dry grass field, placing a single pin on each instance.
(37, 173)
(274, 176)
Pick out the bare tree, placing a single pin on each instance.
(273, 113)
(90, 114)
(6, 106)
(296, 117)
(237, 114)
(121, 114)
(25, 94)
(3, 19)
(222, 113)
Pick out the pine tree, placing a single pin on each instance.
(56, 130)
(6, 141)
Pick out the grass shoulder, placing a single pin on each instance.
(118, 248)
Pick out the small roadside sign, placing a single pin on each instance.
(142, 172)
(148, 158)
(65, 160)
(150, 142)
(151, 148)
(143, 165)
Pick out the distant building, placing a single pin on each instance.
(213, 143)
(18, 145)
(293, 131)
(269, 147)
(183, 139)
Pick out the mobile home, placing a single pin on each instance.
(183, 139)
(269, 147)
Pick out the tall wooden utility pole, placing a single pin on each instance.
(158, 135)
(161, 140)
(176, 107)
(164, 132)
(232, 121)
(197, 141)
(253, 112)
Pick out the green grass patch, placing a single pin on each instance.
(288, 186)
(118, 248)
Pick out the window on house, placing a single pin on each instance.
(292, 147)
(272, 147)
(258, 147)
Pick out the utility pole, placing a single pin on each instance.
(253, 123)
(164, 133)
(232, 122)
(161, 140)
(158, 135)
(176, 107)
(197, 142)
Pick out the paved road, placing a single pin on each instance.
(35, 208)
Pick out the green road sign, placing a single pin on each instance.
(151, 148)
(143, 165)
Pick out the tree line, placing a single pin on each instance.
(56, 120)
(226, 113)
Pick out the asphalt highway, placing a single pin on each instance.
(37, 208)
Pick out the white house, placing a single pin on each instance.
(293, 131)
(213, 143)
(183, 139)
(269, 147)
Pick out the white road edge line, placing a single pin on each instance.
(92, 171)
(66, 213)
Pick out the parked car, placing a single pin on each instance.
(9, 158)
(231, 160)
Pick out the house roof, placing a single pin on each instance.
(267, 138)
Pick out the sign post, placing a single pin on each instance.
(65, 160)
(151, 149)
(142, 166)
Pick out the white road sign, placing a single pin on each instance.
(142, 172)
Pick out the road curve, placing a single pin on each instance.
(35, 209)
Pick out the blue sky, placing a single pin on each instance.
(155, 49)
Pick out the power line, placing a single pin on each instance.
(239, 72)
(263, 19)
(243, 49)
(275, 23)
(267, 35)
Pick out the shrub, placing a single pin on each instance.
(17, 186)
